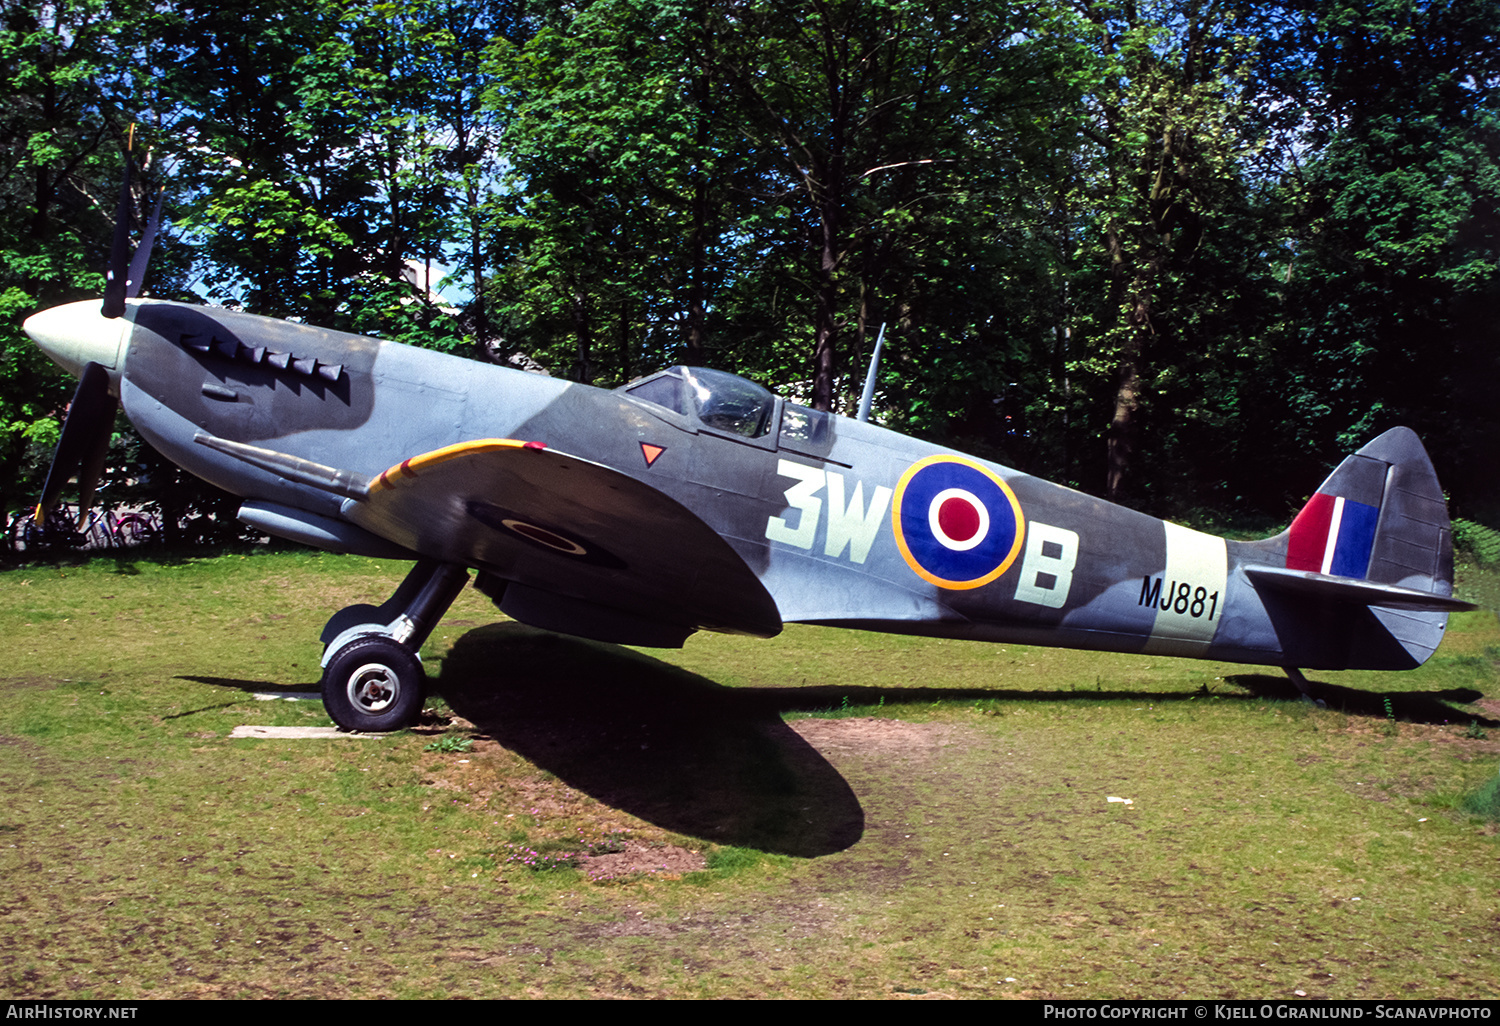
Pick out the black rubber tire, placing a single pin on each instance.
(374, 685)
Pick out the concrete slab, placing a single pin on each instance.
(294, 732)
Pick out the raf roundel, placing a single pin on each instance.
(958, 524)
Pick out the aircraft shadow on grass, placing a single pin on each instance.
(693, 756)
(251, 687)
(651, 739)
(645, 737)
(1412, 706)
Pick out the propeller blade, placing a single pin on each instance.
(119, 252)
(92, 467)
(142, 256)
(90, 418)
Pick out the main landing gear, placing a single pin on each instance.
(372, 678)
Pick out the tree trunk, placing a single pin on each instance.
(1135, 303)
(825, 321)
(583, 366)
(1120, 442)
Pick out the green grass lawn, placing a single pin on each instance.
(826, 814)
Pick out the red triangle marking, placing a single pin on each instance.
(651, 452)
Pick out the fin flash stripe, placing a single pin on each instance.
(1333, 535)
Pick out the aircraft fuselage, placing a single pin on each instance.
(841, 522)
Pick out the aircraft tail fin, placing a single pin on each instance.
(1375, 534)
(1381, 517)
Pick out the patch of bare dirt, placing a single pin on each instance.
(25, 744)
(795, 919)
(638, 859)
(20, 683)
(432, 723)
(868, 735)
(1455, 734)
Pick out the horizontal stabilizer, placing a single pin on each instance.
(1355, 592)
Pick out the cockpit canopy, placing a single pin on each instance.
(721, 401)
(730, 405)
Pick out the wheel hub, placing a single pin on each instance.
(374, 688)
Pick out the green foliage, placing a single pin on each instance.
(1480, 543)
(601, 155)
(1391, 189)
(702, 185)
(448, 743)
(60, 162)
(1485, 801)
(1187, 253)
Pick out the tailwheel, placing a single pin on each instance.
(374, 684)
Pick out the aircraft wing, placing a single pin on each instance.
(574, 539)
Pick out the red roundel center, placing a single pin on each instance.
(958, 518)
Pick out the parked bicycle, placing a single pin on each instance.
(136, 528)
(26, 535)
(104, 529)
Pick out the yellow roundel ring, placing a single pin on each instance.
(957, 523)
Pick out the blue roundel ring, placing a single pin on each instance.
(958, 524)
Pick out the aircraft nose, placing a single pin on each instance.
(76, 334)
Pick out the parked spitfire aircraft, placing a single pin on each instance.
(696, 500)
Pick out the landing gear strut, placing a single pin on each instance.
(372, 678)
